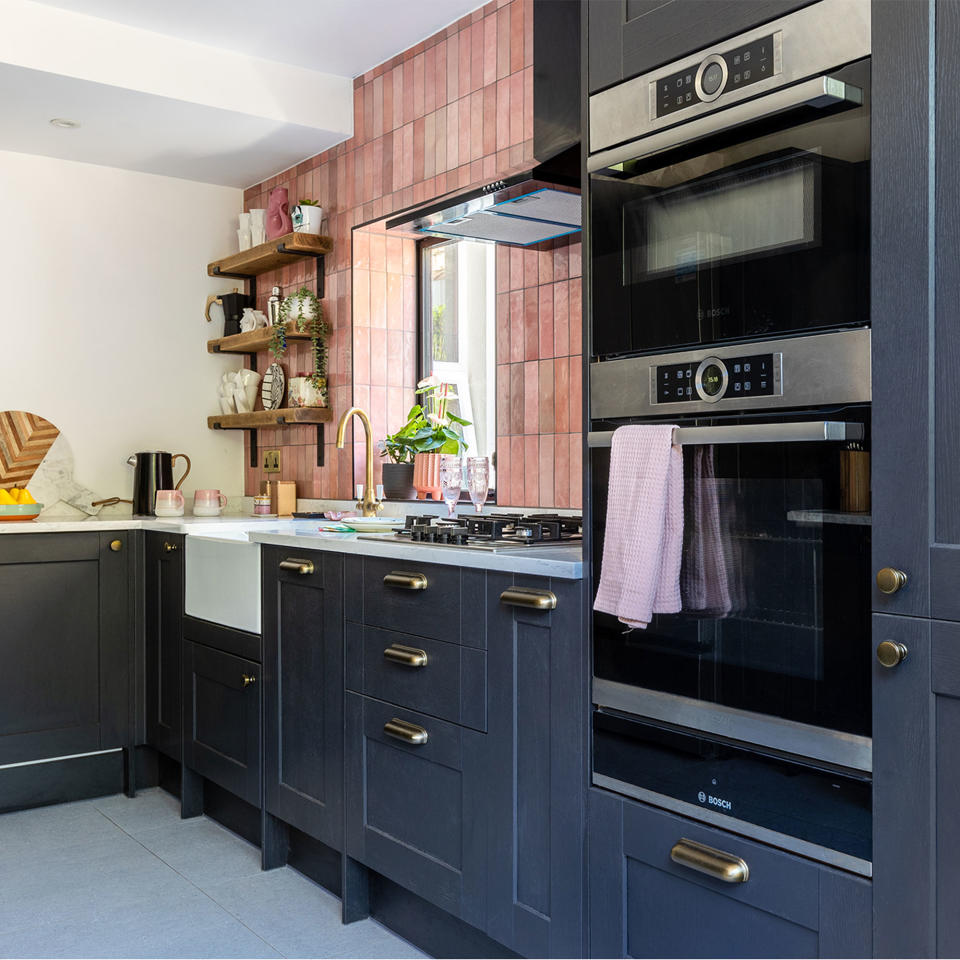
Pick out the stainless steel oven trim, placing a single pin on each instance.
(784, 841)
(799, 739)
(819, 92)
(823, 369)
(803, 431)
(815, 39)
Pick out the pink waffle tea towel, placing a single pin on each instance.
(643, 542)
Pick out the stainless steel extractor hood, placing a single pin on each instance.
(527, 208)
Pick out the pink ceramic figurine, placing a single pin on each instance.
(278, 213)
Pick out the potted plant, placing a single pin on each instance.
(436, 431)
(307, 216)
(304, 309)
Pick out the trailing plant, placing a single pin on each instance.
(430, 426)
(304, 301)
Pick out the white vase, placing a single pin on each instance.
(258, 226)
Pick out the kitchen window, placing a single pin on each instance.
(458, 331)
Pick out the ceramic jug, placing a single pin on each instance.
(278, 213)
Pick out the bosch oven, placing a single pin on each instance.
(730, 297)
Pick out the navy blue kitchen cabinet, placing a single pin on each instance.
(630, 37)
(66, 606)
(163, 611)
(303, 691)
(465, 751)
(645, 904)
(221, 712)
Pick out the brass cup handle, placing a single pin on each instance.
(303, 567)
(405, 656)
(170, 547)
(714, 863)
(529, 598)
(247, 679)
(116, 545)
(403, 580)
(407, 732)
(890, 580)
(891, 654)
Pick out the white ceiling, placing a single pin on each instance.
(221, 91)
(344, 37)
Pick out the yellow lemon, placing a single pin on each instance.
(5, 499)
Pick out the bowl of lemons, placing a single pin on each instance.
(18, 504)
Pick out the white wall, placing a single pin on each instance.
(103, 273)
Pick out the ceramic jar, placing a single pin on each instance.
(426, 475)
(278, 213)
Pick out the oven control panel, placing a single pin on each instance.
(716, 74)
(711, 379)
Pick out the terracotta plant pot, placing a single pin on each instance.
(398, 481)
(426, 475)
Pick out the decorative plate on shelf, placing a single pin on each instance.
(274, 383)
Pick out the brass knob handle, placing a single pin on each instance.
(405, 581)
(247, 679)
(116, 545)
(714, 863)
(529, 598)
(303, 567)
(405, 656)
(890, 580)
(170, 547)
(891, 654)
(407, 732)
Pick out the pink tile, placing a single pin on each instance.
(419, 153)
(531, 331)
(561, 319)
(503, 470)
(409, 359)
(378, 299)
(361, 354)
(378, 252)
(547, 397)
(453, 68)
(464, 87)
(546, 495)
(517, 468)
(575, 255)
(395, 358)
(361, 250)
(476, 126)
(576, 470)
(361, 297)
(409, 303)
(516, 268)
(489, 49)
(576, 317)
(516, 110)
(394, 255)
(546, 264)
(408, 155)
(502, 267)
(528, 105)
(531, 398)
(408, 92)
(531, 471)
(561, 470)
(395, 301)
(531, 266)
(576, 395)
(440, 76)
(419, 93)
(562, 388)
(503, 398)
(545, 295)
(503, 328)
(516, 36)
(503, 43)
(429, 81)
(503, 116)
(489, 144)
(409, 257)
(517, 326)
(453, 136)
(516, 398)
(476, 55)
(463, 134)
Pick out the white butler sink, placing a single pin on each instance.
(223, 578)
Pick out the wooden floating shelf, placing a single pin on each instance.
(284, 417)
(268, 256)
(251, 342)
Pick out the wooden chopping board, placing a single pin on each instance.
(25, 439)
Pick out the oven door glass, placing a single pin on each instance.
(775, 587)
(755, 238)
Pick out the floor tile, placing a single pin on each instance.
(149, 810)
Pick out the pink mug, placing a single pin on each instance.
(208, 503)
(169, 503)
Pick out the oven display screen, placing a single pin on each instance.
(750, 376)
(712, 380)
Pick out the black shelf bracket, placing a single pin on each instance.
(253, 440)
(251, 277)
(319, 257)
(320, 447)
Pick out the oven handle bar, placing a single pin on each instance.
(802, 432)
(818, 92)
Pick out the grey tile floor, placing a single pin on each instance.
(116, 877)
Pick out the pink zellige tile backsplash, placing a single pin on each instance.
(454, 111)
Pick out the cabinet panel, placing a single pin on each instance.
(221, 719)
(163, 612)
(303, 696)
(415, 812)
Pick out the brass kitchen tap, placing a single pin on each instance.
(369, 506)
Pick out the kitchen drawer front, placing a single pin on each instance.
(239, 643)
(293, 565)
(450, 685)
(642, 903)
(433, 611)
(414, 812)
(221, 719)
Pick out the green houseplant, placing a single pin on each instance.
(414, 450)
(306, 311)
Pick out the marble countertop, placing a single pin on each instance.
(564, 562)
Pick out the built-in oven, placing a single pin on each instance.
(729, 191)
(751, 706)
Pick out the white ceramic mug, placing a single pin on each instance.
(169, 503)
(208, 503)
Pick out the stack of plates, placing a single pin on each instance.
(373, 524)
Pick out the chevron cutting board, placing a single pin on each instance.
(25, 439)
